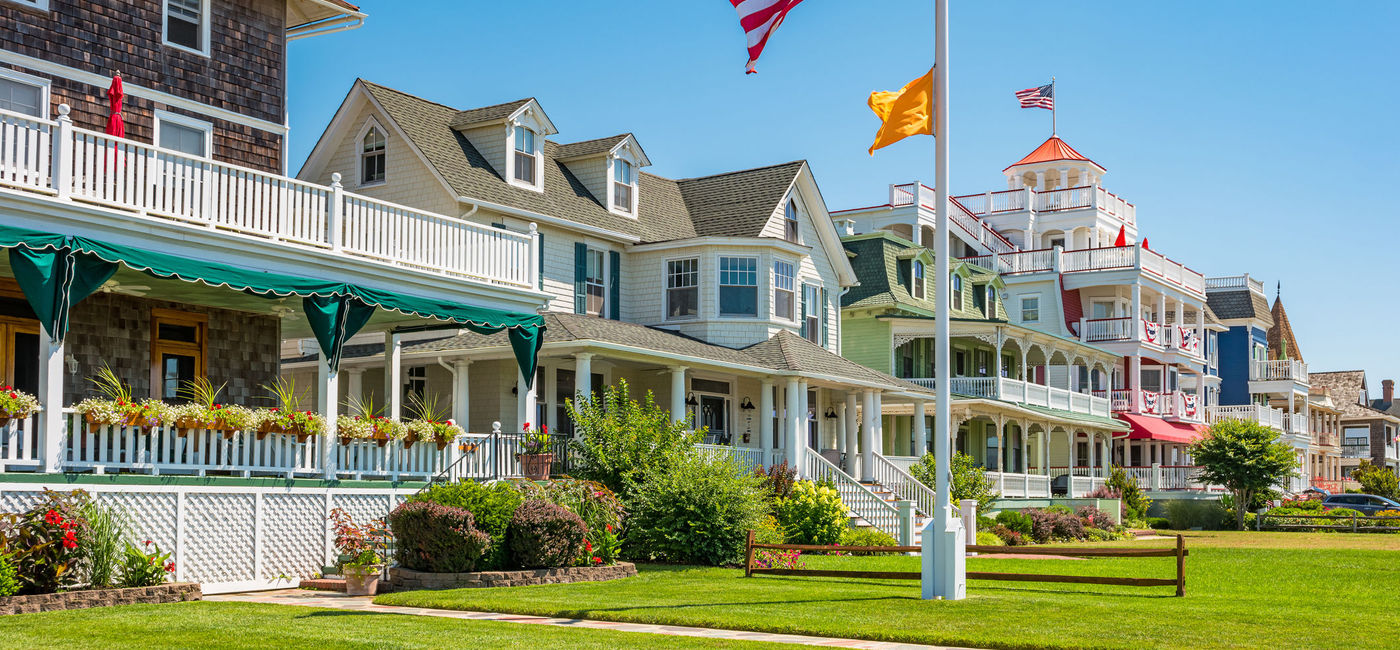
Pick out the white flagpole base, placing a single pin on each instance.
(944, 560)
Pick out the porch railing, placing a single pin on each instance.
(746, 457)
(1279, 370)
(19, 445)
(54, 157)
(1269, 417)
(1022, 392)
(1169, 477)
(862, 502)
(904, 485)
(1018, 485)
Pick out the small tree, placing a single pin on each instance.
(969, 480)
(1246, 458)
(1376, 480)
(621, 442)
(1135, 501)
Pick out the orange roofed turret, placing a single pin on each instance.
(1053, 150)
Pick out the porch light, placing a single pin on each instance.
(690, 400)
(830, 413)
(746, 405)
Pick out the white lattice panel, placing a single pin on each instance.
(362, 507)
(293, 535)
(18, 501)
(220, 539)
(148, 515)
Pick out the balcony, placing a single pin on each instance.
(1086, 197)
(1021, 392)
(201, 195)
(1356, 449)
(1279, 370)
(960, 217)
(1089, 260)
(1235, 283)
(1289, 423)
(1169, 478)
(1172, 404)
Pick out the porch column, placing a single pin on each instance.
(678, 393)
(852, 429)
(1136, 313)
(461, 393)
(867, 437)
(765, 419)
(879, 423)
(328, 403)
(393, 375)
(920, 431)
(1134, 383)
(51, 421)
(525, 403)
(804, 428)
(354, 385)
(1044, 458)
(550, 390)
(1107, 455)
(1003, 445)
(842, 428)
(583, 376)
(792, 422)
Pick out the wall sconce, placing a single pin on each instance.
(830, 413)
(690, 400)
(746, 405)
(72, 363)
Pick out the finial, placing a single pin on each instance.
(335, 179)
(1278, 290)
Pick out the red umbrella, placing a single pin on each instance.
(1144, 243)
(115, 125)
(1122, 237)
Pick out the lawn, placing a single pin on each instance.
(1248, 590)
(250, 625)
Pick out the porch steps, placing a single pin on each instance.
(889, 496)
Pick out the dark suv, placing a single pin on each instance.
(1367, 504)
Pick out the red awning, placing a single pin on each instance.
(1146, 427)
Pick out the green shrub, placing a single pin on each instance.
(592, 501)
(1339, 512)
(985, 538)
(144, 567)
(853, 536)
(544, 535)
(433, 537)
(812, 514)
(1159, 523)
(969, 480)
(1060, 509)
(698, 512)
(1185, 514)
(1017, 521)
(1135, 501)
(9, 577)
(104, 544)
(1380, 481)
(492, 507)
(622, 443)
(1098, 535)
(44, 542)
(984, 522)
(769, 532)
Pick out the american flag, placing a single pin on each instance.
(1039, 97)
(759, 18)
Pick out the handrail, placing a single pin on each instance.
(860, 499)
(904, 485)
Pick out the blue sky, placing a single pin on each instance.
(1253, 137)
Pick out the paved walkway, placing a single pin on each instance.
(365, 604)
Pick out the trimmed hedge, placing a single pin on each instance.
(543, 535)
(436, 538)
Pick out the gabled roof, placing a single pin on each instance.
(877, 259)
(1238, 304)
(590, 147)
(737, 204)
(486, 114)
(1345, 387)
(1053, 150)
(1282, 344)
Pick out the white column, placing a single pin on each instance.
(852, 430)
(1064, 177)
(1093, 452)
(1135, 384)
(583, 376)
(823, 428)
(1136, 315)
(678, 393)
(328, 403)
(879, 422)
(525, 403)
(842, 428)
(51, 422)
(793, 436)
(549, 389)
(765, 419)
(461, 393)
(867, 437)
(804, 425)
(354, 384)
(1040, 181)
(393, 375)
(920, 430)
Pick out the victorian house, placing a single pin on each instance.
(1369, 426)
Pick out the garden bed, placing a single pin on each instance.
(401, 579)
(167, 593)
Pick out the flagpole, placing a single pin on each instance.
(944, 556)
(1054, 130)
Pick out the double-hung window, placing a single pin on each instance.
(738, 286)
(624, 178)
(957, 292)
(372, 156)
(183, 134)
(916, 279)
(524, 155)
(1030, 309)
(20, 95)
(187, 24)
(812, 308)
(594, 283)
(783, 290)
(790, 221)
(682, 288)
(991, 301)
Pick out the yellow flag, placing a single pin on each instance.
(904, 113)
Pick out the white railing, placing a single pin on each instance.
(19, 445)
(976, 386)
(959, 216)
(159, 450)
(1169, 477)
(1098, 259)
(1107, 329)
(1021, 392)
(393, 460)
(1278, 370)
(1269, 417)
(862, 502)
(1035, 261)
(1070, 198)
(1295, 423)
(1114, 205)
(1229, 282)
(54, 157)
(897, 479)
(746, 457)
(1073, 198)
(1016, 485)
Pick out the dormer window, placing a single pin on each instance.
(790, 221)
(624, 182)
(956, 293)
(916, 280)
(991, 301)
(372, 156)
(524, 154)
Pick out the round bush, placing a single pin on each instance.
(543, 535)
(437, 538)
(1159, 523)
(1337, 512)
(699, 512)
(985, 538)
(9, 578)
(866, 537)
(812, 514)
(1098, 535)
(1010, 537)
(492, 505)
(1017, 521)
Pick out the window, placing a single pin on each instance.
(372, 156)
(991, 301)
(957, 292)
(682, 288)
(23, 94)
(524, 155)
(187, 24)
(782, 290)
(790, 221)
(36, 4)
(414, 390)
(1058, 242)
(177, 351)
(738, 286)
(594, 284)
(812, 307)
(1030, 309)
(183, 134)
(916, 279)
(623, 180)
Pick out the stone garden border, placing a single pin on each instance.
(173, 592)
(401, 579)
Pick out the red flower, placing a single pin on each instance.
(70, 540)
(526, 428)
(170, 567)
(588, 546)
(13, 395)
(608, 526)
(597, 560)
(544, 428)
(52, 517)
(148, 542)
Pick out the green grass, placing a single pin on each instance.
(252, 625)
(1248, 590)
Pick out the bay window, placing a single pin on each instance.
(738, 286)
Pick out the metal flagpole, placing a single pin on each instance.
(944, 557)
(1054, 130)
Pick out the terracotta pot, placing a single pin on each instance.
(410, 438)
(442, 444)
(380, 439)
(536, 466)
(362, 581)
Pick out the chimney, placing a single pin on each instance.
(1388, 389)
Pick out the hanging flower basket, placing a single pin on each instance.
(369, 427)
(302, 424)
(16, 404)
(143, 415)
(440, 433)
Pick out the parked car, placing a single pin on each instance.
(1368, 504)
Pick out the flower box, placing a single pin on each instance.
(276, 427)
(536, 466)
(16, 404)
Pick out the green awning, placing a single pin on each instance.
(58, 271)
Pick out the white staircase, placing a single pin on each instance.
(875, 503)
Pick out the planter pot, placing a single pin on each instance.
(442, 444)
(380, 439)
(409, 439)
(362, 581)
(536, 466)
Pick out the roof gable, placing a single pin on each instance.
(882, 263)
(1282, 344)
(1053, 150)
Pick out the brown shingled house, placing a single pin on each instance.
(1368, 426)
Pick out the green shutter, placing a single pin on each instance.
(614, 285)
(803, 301)
(826, 331)
(580, 278)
